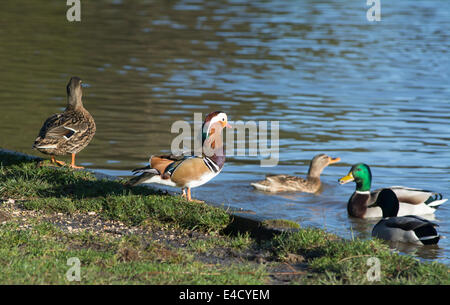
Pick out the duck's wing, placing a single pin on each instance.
(410, 229)
(264, 185)
(141, 170)
(166, 163)
(50, 123)
(414, 196)
(60, 127)
(276, 183)
(159, 165)
(145, 174)
(66, 131)
(418, 227)
(286, 179)
(408, 223)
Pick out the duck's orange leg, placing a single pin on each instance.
(189, 194)
(72, 165)
(60, 163)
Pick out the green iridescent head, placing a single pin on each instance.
(360, 173)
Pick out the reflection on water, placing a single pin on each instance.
(430, 252)
(366, 92)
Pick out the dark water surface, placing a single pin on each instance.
(366, 92)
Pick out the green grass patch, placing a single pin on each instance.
(40, 256)
(306, 241)
(333, 260)
(281, 224)
(66, 191)
(241, 242)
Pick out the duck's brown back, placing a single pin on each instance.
(67, 132)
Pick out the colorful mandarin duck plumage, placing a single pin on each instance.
(192, 171)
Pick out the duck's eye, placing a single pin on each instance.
(223, 119)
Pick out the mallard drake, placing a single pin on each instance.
(67, 132)
(412, 201)
(407, 229)
(285, 183)
(188, 172)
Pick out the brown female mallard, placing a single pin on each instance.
(285, 183)
(67, 132)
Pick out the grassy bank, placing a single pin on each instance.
(138, 235)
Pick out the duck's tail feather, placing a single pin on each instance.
(430, 240)
(145, 174)
(428, 234)
(436, 203)
(142, 170)
(261, 186)
(50, 146)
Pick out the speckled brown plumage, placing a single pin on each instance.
(285, 183)
(70, 131)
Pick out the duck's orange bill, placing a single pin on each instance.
(346, 179)
(228, 125)
(335, 160)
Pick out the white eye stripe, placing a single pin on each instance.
(221, 117)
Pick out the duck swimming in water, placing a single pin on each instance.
(285, 183)
(407, 229)
(411, 201)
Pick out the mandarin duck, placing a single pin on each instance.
(191, 171)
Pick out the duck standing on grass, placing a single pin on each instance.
(67, 132)
(412, 201)
(406, 229)
(188, 172)
(285, 183)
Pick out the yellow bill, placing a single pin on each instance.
(347, 179)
